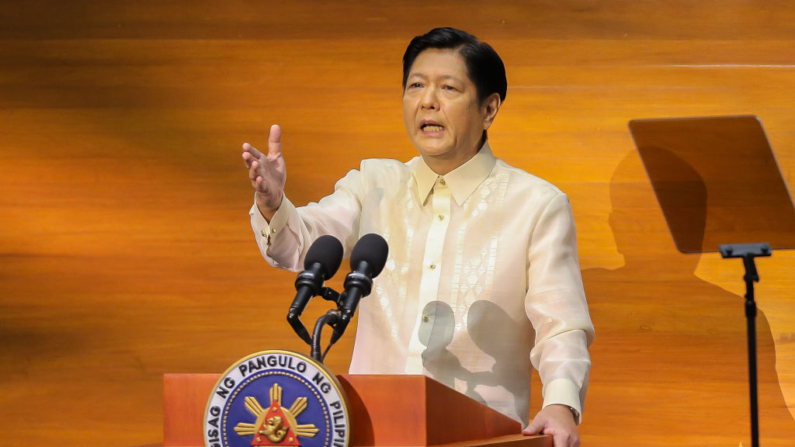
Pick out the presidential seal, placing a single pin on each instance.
(277, 398)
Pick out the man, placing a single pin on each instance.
(482, 276)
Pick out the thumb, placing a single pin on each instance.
(275, 141)
(535, 427)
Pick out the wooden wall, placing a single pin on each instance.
(125, 246)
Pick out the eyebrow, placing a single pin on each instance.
(424, 76)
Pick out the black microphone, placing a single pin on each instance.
(367, 260)
(321, 263)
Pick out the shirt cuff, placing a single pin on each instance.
(264, 229)
(563, 392)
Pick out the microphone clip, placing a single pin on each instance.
(329, 294)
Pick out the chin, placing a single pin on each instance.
(433, 147)
(433, 152)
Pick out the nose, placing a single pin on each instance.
(429, 101)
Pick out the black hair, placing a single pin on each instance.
(484, 66)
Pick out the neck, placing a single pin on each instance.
(445, 165)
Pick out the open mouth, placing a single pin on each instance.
(431, 127)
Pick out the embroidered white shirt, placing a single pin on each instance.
(482, 277)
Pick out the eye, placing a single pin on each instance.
(448, 87)
(415, 85)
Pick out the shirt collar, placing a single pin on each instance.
(462, 181)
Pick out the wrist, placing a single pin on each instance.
(268, 205)
(574, 413)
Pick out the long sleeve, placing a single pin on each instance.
(557, 308)
(285, 240)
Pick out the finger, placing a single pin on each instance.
(561, 439)
(259, 184)
(252, 150)
(247, 158)
(534, 428)
(275, 141)
(253, 171)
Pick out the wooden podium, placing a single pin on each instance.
(385, 410)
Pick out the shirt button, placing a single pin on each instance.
(425, 318)
(441, 217)
(433, 266)
(263, 233)
(442, 182)
(273, 230)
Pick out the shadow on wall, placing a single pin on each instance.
(671, 350)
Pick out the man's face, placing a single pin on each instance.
(441, 111)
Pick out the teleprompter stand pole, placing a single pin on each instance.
(749, 252)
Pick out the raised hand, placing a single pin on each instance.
(267, 173)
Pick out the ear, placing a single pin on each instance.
(490, 107)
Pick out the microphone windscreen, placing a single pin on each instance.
(327, 251)
(372, 249)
